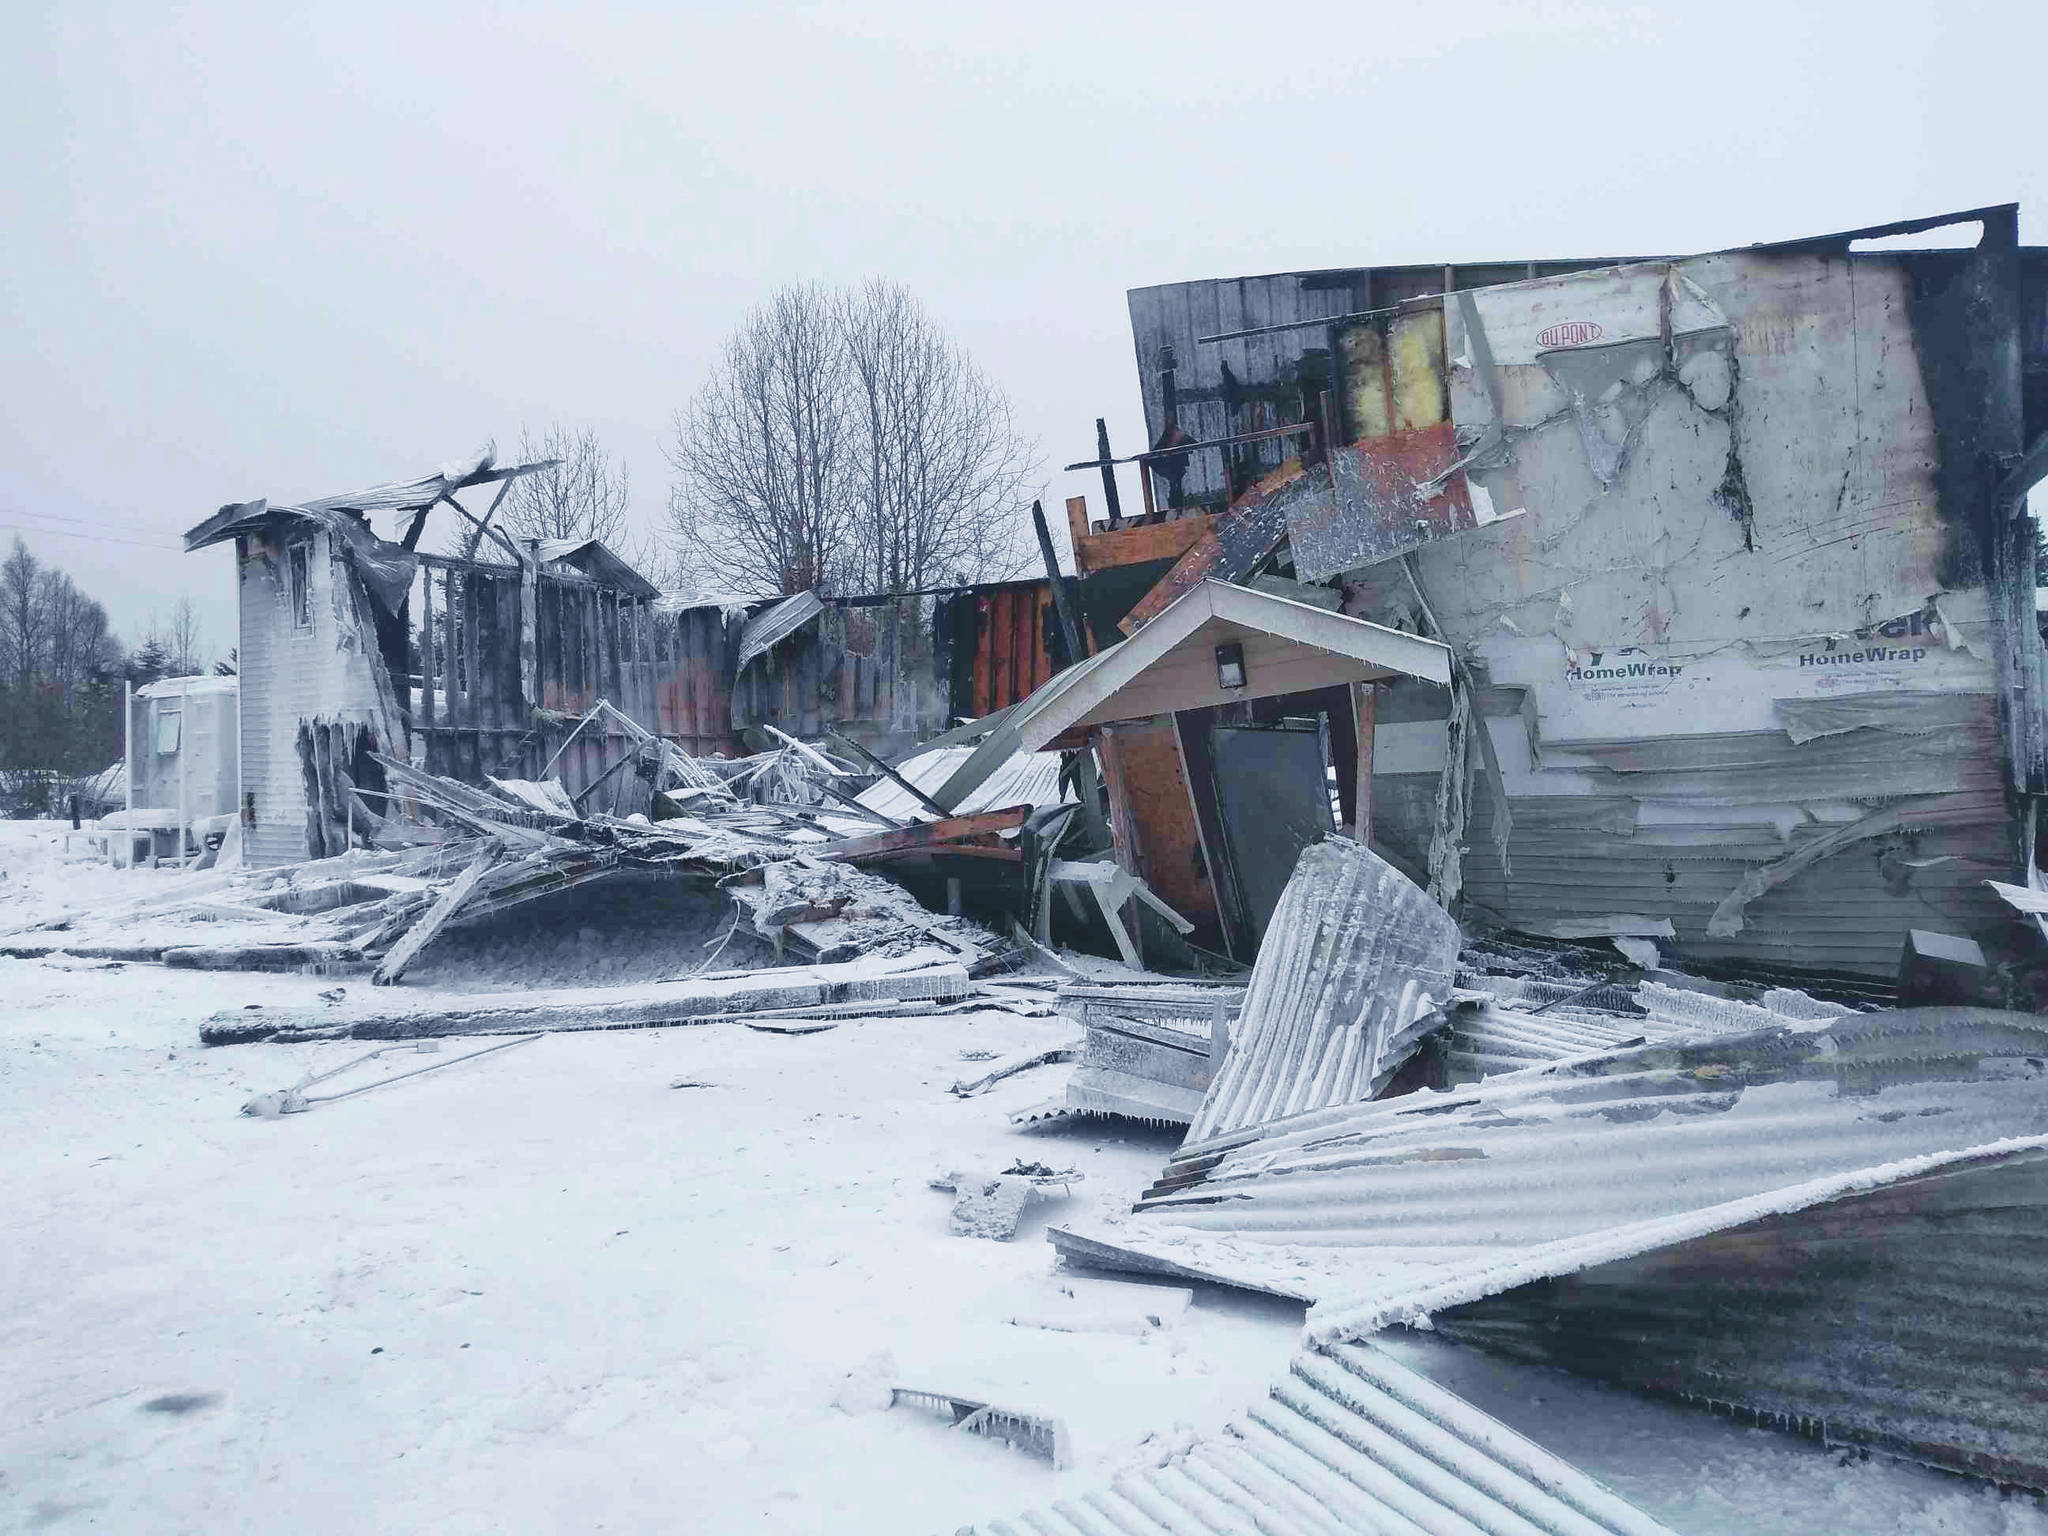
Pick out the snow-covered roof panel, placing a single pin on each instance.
(1361, 1200)
(1030, 778)
(188, 687)
(480, 468)
(772, 625)
(597, 560)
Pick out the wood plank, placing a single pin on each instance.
(1130, 545)
(1133, 956)
(417, 937)
(529, 639)
(614, 672)
(1124, 832)
(1077, 521)
(949, 851)
(472, 700)
(1002, 646)
(586, 627)
(1364, 704)
(451, 648)
(494, 659)
(427, 647)
(984, 693)
(929, 836)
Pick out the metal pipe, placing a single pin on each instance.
(184, 754)
(128, 752)
(1292, 429)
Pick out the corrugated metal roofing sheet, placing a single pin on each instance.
(1352, 1205)
(777, 623)
(1355, 962)
(1905, 1315)
(1490, 1039)
(1349, 1440)
(1523, 1022)
(1030, 778)
(595, 559)
(1673, 827)
(1149, 1053)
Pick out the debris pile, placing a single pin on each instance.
(1815, 1214)
(451, 853)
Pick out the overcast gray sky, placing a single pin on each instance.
(255, 250)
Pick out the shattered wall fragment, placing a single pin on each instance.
(1682, 510)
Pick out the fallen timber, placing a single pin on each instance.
(653, 1005)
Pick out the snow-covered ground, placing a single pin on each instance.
(623, 1281)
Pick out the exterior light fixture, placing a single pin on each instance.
(1230, 665)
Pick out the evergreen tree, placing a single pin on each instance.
(149, 661)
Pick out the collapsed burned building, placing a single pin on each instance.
(1730, 550)
(353, 645)
(1685, 602)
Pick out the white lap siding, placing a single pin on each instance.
(326, 670)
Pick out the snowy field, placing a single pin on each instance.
(626, 1281)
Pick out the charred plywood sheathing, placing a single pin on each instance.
(1356, 963)
(1348, 1440)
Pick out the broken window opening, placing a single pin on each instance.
(299, 570)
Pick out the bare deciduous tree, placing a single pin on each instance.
(584, 496)
(938, 471)
(844, 439)
(182, 639)
(759, 454)
(81, 647)
(50, 632)
(22, 638)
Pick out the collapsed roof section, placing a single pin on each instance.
(1353, 1197)
(1871, 1184)
(596, 560)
